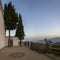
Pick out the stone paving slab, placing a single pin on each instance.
(29, 54)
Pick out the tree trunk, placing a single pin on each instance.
(20, 42)
(9, 39)
(9, 33)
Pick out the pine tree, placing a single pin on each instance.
(20, 29)
(10, 18)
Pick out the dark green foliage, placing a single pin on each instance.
(55, 51)
(20, 29)
(56, 46)
(48, 45)
(10, 18)
(46, 40)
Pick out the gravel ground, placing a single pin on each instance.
(28, 54)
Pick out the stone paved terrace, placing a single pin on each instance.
(28, 54)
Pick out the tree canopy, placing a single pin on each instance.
(20, 29)
(10, 16)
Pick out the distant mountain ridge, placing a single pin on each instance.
(57, 39)
(54, 40)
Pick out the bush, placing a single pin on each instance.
(55, 51)
(56, 46)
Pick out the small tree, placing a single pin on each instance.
(48, 44)
(20, 29)
(46, 40)
(10, 18)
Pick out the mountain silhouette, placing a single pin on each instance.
(54, 40)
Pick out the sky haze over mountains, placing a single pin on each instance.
(41, 18)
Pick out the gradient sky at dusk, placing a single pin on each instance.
(41, 18)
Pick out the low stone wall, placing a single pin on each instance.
(15, 41)
(38, 47)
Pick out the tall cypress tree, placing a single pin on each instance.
(10, 18)
(20, 29)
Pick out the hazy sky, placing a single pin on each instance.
(41, 18)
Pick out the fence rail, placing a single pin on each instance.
(39, 47)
